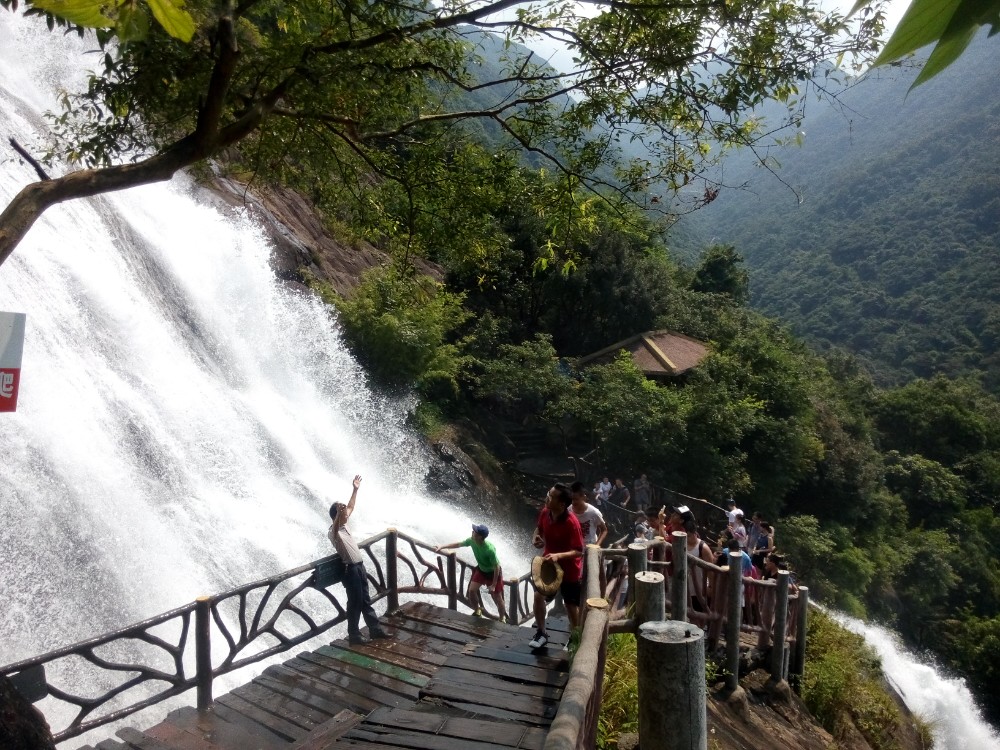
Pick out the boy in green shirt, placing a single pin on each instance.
(487, 571)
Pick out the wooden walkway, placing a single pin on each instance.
(443, 681)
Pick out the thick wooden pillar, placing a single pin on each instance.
(636, 553)
(649, 597)
(671, 661)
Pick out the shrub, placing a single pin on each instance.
(843, 684)
(398, 326)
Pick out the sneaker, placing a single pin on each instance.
(378, 635)
(502, 619)
(357, 640)
(478, 612)
(539, 640)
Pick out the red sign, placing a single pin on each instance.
(9, 381)
(11, 347)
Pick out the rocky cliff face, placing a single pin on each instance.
(303, 246)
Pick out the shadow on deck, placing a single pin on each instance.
(443, 681)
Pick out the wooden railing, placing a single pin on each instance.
(768, 609)
(131, 669)
(110, 677)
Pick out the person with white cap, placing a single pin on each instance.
(486, 573)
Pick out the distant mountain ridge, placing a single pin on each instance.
(893, 251)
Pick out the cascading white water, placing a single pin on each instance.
(943, 701)
(184, 422)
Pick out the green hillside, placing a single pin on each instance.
(888, 245)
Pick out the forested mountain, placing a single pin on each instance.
(888, 244)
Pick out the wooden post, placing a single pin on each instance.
(593, 564)
(452, 581)
(513, 603)
(649, 597)
(203, 650)
(780, 628)
(679, 577)
(579, 706)
(591, 584)
(798, 669)
(594, 711)
(671, 661)
(734, 619)
(659, 549)
(391, 571)
(636, 564)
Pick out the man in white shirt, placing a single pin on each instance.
(359, 603)
(732, 511)
(603, 490)
(591, 519)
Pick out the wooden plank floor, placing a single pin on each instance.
(443, 681)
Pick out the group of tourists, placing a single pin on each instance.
(617, 494)
(565, 525)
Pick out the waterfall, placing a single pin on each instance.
(184, 421)
(943, 701)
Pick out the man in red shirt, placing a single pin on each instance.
(559, 537)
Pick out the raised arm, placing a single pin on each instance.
(354, 495)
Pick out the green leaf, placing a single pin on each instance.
(88, 13)
(133, 23)
(173, 18)
(924, 22)
(944, 54)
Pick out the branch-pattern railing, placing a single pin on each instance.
(186, 648)
(146, 663)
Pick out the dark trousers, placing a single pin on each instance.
(359, 602)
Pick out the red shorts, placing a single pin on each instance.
(485, 579)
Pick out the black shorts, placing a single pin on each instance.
(570, 591)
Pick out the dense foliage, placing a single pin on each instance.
(885, 500)
(383, 93)
(888, 246)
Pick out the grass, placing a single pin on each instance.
(620, 691)
(843, 684)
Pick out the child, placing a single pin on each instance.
(487, 571)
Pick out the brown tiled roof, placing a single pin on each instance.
(656, 353)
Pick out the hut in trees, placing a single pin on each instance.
(661, 355)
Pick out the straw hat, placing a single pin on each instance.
(546, 575)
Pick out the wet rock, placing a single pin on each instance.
(22, 726)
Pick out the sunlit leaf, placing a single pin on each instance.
(173, 18)
(945, 53)
(924, 22)
(950, 23)
(89, 13)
